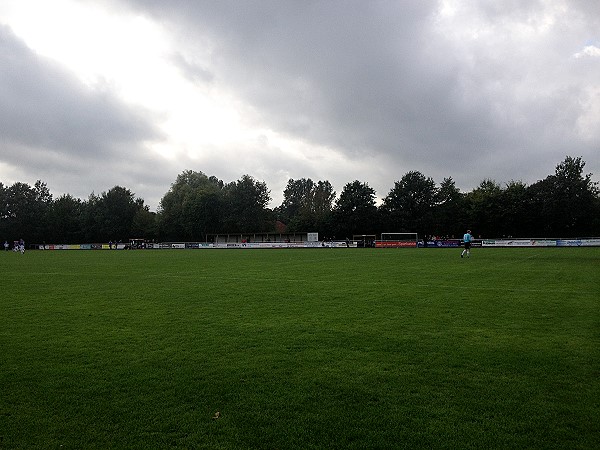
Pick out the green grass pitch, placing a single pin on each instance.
(300, 349)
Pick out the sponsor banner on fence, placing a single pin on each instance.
(303, 244)
(578, 243)
(394, 244)
(508, 243)
(541, 243)
(196, 245)
(446, 243)
(568, 243)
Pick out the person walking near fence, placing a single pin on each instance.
(467, 238)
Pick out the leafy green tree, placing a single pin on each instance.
(484, 206)
(91, 218)
(449, 212)
(144, 223)
(566, 203)
(193, 206)
(203, 212)
(66, 221)
(409, 206)
(24, 211)
(513, 211)
(307, 205)
(355, 211)
(246, 203)
(297, 199)
(109, 216)
(323, 201)
(117, 208)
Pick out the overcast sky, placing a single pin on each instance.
(99, 93)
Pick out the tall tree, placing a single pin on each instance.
(307, 205)
(449, 213)
(513, 211)
(409, 206)
(355, 211)
(484, 206)
(565, 204)
(246, 206)
(297, 199)
(193, 206)
(202, 212)
(144, 223)
(65, 219)
(24, 211)
(323, 201)
(116, 211)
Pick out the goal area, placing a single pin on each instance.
(364, 240)
(397, 240)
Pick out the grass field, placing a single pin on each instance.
(300, 349)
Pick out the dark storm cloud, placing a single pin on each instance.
(471, 90)
(54, 128)
(491, 93)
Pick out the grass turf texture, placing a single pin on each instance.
(322, 348)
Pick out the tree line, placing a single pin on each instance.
(196, 206)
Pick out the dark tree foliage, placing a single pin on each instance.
(24, 211)
(66, 216)
(514, 211)
(307, 206)
(193, 207)
(197, 206)
(246, 206)
(410, 204)
(115, 211)
(564, 204)
(449, 216)
(484, 206)
(109, 216)
(355, 211)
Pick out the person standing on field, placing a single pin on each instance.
(467, 238)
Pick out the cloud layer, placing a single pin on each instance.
(329, 90)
